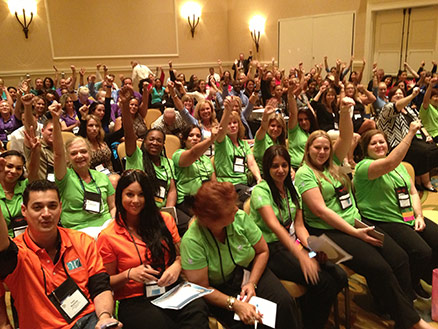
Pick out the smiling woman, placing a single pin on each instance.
(90, 202)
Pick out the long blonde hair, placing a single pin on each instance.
(213, 119)
(331, 167)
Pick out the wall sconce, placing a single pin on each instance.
(257, 28)
(22, 8)
(191, 11)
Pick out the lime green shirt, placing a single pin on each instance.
(72, 196)
(429, 118)
(165, 171)
(189, 179)
(260, 146)
(377, 199)
(262, 196)
(297, 138)
(12, 208)
(224, 154)
(199, 249)
(305, 179)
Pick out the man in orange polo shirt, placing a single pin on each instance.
(55, 275)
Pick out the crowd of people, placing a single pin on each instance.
(83, 226)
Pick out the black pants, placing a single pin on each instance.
(318, 300)
(421, 247)
(386, 270)
(270, 288)
(185, 213)
(140, 313)
(422, 156)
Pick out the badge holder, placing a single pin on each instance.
(50, 174)
(239, 164)
(343, 197)
(69, 300)
(92, 202)
(160, 195)
(404, 202)
(18, 225)
(153, 289)
(101, 168)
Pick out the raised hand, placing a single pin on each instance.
(73, 68)
(416, 91)
(84, 111)
(31, 140)
(414, 126)
(55, 68)
(27, 99)
(126, 93)
(82, 71)
(56, 110)
(347, 103)
(253, 98)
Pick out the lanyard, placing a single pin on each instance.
(393, 182)
(288, 208)
(219, 252)
(238, 149)
(92, 179)
(199, 169)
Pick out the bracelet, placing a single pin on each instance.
(127, 276)
(105, 312)
(230, 302)
(408, 144)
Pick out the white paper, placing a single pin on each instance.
(181, 295)
(265, 307)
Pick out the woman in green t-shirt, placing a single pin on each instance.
(301, 123)
(233, 156)
(388, 199)
(275, 208)
(272, 131)
(192, 168)
(329, 208)
(224, 250)
(87, 195)
(159, 168)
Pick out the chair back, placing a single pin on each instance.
(151, 116)
(171, 144)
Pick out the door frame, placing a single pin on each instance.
(372, 9)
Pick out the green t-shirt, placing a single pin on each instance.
(224, 155)
(199, 249)
(12, 208)
(429, 118)
(164, 172)
(262, 196)
(377, 199)
(305, 179)
(297, 138)
(260, 146)
(72, 196)
(189, 179)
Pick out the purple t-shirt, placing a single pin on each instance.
(8, 127)
(69, 120)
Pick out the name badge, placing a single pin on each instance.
(160, 195)
(18, 230)
(92, 202)
(239, 164)
(75, 130)
(101, 168)
(153, 290)
(51, 177)
(343, 197)
(357, 116)
(404, 201)
(209, 152)
(69, 299)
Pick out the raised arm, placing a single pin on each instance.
(405, 101)
(409, 68)
(144, 106)
(228, 107)
(383, 166)
(125, 95)
(261, 132)
(74, 75)
(326, 66)
(293, 109)
(58, 144)
(370, 97)
(29, 119)
(81, 76)
(55, 81)
(360, 73)
(343, 143)
(4, 236)
(426, 99)
(189, 156)
(35, 148)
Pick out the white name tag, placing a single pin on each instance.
(103, 170)
(51, 177)
(153, 290)
(92, 206)
(75, 130)
(74, 304)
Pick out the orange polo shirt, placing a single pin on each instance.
(115, 245)
(26, 282)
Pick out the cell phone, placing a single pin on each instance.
(110, 325)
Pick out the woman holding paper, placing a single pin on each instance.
(276, 209)
(223, 249)
(140, 251)
(388, 199)
(329, 208)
